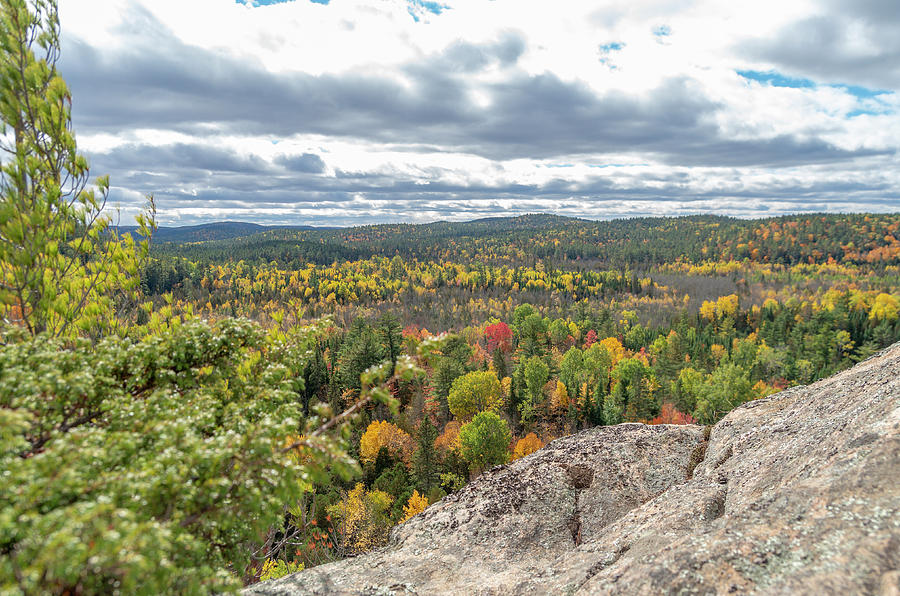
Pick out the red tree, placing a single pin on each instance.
(590, 338)
(498, 335)
(669, 415)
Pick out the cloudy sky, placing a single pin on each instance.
(363, 111)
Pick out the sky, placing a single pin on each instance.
(348, 112)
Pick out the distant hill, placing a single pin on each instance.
(223, 230)
(228, 230)
(204, 232)
(628, 243)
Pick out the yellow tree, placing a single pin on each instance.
(416, 505)
(384, 434)
(560, 401)
(726, 306)
(526, 446)
(362, 521)
(885, 308)
(708, 310)
(449, 439)
(475, 392)
(615, 348)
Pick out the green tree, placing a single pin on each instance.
(520, 313)
(484, 442)
(668, 352)
(446, 372)
(686, 388)
(396, 482)
(631, 398)
(145, 466)
(614, 405)
(744, 352)
(475, 392)
(362, 349)
(391, 336)
(637, 336)
(769, 363)
(534, 375)
(571, 370)
(726, 388)
(597, 364)
(595, 405)
(456, 348)
(499, 362)
(537, 373)
(559, 332)
(532, 335)
(63, 269)
(425, 458)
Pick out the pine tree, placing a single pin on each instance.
(361, 350)
(425, 460)
(500, 363)
(63, 268)
(390, 331)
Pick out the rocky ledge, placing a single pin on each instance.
(795, 493)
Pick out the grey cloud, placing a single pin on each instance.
(362, 213)
(307, 163)
(228, 182)
(164, 83)
(777, 152)
(180, 157)
(469, 57)
(510, 48)
(875, 13)
(371, 197)
(248, 187)
(827, 46)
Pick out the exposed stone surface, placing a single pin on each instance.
(795, 493)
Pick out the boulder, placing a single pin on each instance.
(797, 493)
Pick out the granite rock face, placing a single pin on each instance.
(795, 493)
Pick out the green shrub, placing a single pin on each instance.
(148, 466)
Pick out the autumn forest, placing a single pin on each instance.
(194, 410)
(539, 326)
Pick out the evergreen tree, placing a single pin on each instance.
(457, 349)
(571, 369)
(425, 460)
(362, 348)
(390, 331)
(63, 268)
(499, 362)
(446, 371)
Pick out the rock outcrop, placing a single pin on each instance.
(795, 493)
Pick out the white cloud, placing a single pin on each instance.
(473, 110)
